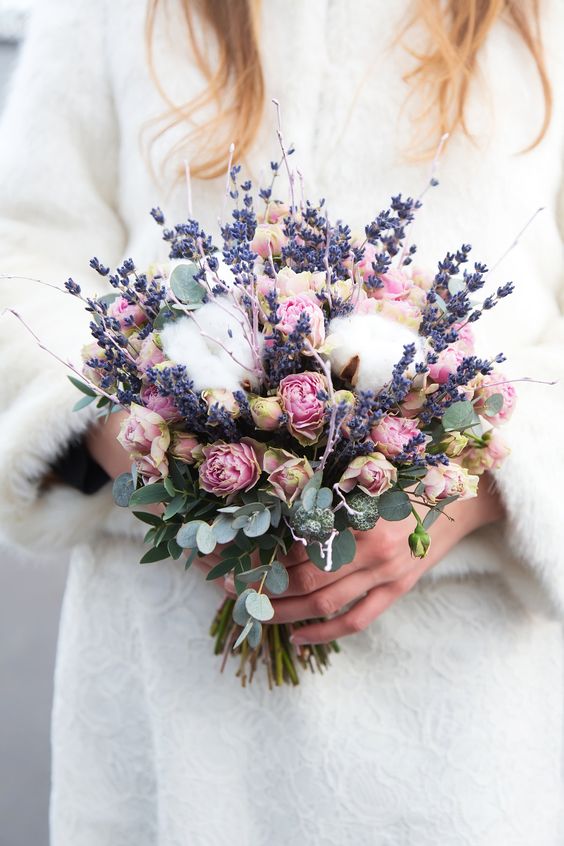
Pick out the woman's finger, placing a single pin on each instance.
(322, 603)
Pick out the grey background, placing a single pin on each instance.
(30, 597)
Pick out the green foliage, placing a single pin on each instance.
(277, 578)
(459, 416)
(148, 494)
(394, 506)
(184, 285)
(86, 389)
(493, 404)
(122, 490)
(259, 606)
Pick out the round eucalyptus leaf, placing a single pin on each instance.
(259, 606)
(343, 550)
(493, 404)
(308, 498)
(184, 284)
(240, 613)
(254, 575)
(255, 634)
(277, 579)
(394, 505)
(247, 628)
(223, 530)
(258, 524)
(205, 539)
(186, 537)
(324, 498)
(122, 489)
(458, 416)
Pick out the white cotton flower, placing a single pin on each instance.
(207, 362)
(366, 348)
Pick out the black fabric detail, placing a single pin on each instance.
(78, 469)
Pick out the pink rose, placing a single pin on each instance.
(479, 459)
(447, 364)
(372, 473)
(305, 411)
(144, 434)
(149, 355)
(401, 311)
(276, 211)
(392, 434)
(89, 353)
(291, 310)
(465, 340)
(128, 316)
(220, 396)
(164, 406)
(287, 474)
(186, 448)
(496, 383)
(266, 413)
(228, 468)
(451, 480)
(268, 238)
(287, 283)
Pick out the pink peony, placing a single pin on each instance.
(149, 355)
(186, 448)
(144, 434)
(128, 316)
(228, 468)
(479, 459)
(291, 310)
(266, 413)
(268, 238)
(401, 311)
(305, 411)
(495, 383)
(372, 473)
(447, 364)
(451, 480)
(392, 434)
(164, 406)
(287, 474)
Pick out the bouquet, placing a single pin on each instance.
(295, 384)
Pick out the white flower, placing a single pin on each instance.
(208, 362)
(365, 348)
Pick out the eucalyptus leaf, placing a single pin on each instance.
(277, 579)
(458, 416)
(174, 550)
(250, 509)
(255, 634)
(435, 512)
(82, 403)
(324, 498)
(86, 389)
(186, 537)
(155, 492)
(259, 606)
(158, 553)
(122, 489)
(493, 404)
(240, 613)
(258, 524)
(165, 315)
(184, 284)
(190, 559)
(205, 539)
(343, 550)
(147, 517)
(223, 529)
(254, 575)
(174, 506)
(222, 569)
(247, 628)
(309, 498)
(394, 505)
(315, 482)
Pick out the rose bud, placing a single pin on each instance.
(186, 448)
(266, 412)
(419, 542)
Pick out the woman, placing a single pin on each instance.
(441, 721)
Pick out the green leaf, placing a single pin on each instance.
(240, 614)
(184, 286)
(308, 498)
(155, 492)
(169, 486)
(190, 559)
(205, 539)
(458, 416)
(344, 550)
(147, 517)
(223, 529)
(276, 514)
(493, 404)
(176, 475)
(221, 569)
(174, 550)
(277, 579)
(266, 542)
(243, 542)
(82, 403)
(186, 537)
(122, 490)
(456, 284)
(254, 575)
(250, 509)
(324, 498)
(394, 505)
(174, 506)
(258, 524)
(165, 315)
(255, 634)
(244, 633)
(314, 483)
(259, 606)
(86, 389)
(158, 553)
(435, 512)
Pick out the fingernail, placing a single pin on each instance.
(297, 640)
(229, 583)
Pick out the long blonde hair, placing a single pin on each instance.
(441, 76)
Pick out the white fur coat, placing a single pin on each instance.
(75, 183)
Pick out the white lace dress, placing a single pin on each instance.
(442, 723)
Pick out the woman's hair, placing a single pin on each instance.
(441, 77)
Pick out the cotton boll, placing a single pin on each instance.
(367, 346)
(208, 364)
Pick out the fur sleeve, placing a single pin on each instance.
(58, 167)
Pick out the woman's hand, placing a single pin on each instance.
(102, 445)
